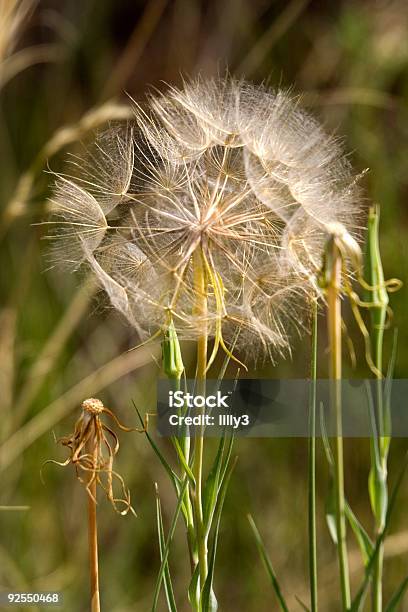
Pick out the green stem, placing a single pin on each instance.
(173, 367)
(201, 312)
(377, 579)
(378, 296)
(312, 468)
(334, 329)
(185, 446)
(378, 566)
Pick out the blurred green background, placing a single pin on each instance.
(65, 67)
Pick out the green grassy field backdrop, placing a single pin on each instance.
(66, 69)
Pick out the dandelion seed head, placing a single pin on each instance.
(237, 173)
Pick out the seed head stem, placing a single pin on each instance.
(312, 469)
(202, 341)
(334, 329)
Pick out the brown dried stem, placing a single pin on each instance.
(93, 535)
(93, 446)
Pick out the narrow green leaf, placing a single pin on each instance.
(359, 598)
(330, 505)
(226, 460)
(171, 603)
(396, 599)
(377, 479)
(177, 482)
(377, 488)
(330, 509)
(374, 437)
(210, 492)
(210, 603)
(268, 565)
(365, 544)
(194, 589)
(208, 600)
(359, 602)
(391, 368)
(387, 427)
(325, 439)
(166, 549)
(171, 473)
(363, 540)
(302, 604)
(183, 461)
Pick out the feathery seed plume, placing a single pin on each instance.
(236, 173)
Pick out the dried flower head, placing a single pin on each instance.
(92, 450)
(221, 174)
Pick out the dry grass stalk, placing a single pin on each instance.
(51, 350)
(63, 136)
(13, 15)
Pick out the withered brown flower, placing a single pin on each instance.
(93, 446)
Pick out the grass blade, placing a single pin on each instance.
(302, 604)
(183, 460)
(171, 473)
(166, 549)
(194, 589)
(208, 600)
(359, 599)
(268, 565)
(171, 604)
(396, 599)
(364, 541)
(387, 426)
(325, 439)
(330, 509)
(210, 492)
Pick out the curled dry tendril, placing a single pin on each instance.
(391, 286)
(350, 252)
(93, 446)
